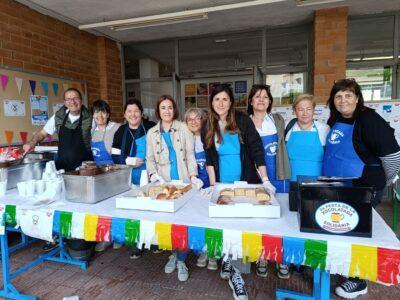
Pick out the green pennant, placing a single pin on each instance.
(10, 215)
(315, 252)
(214, 242)
(65, 224)
(132, 231)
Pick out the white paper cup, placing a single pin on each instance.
(3, 188)
(144, 178)
(21, 186)
(40, 186)
(30, 188)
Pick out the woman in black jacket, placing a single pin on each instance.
(234, 151)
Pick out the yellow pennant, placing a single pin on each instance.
(163, 233)
(90, 227)
(364, 262)
(251, 246)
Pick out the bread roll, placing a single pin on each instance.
(227, 192)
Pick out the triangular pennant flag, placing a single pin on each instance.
(83, 86)
(55, 88)
(75, 86)
(32, 83)
(65, 86)
(4, 81)
(19, 84)
(9, 136)
(45, 87)
(24, 136)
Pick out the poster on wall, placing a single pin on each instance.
(39, 109)
(190, 102)
(202, 88)
(241, 86)
(190, 89)
(241, 100)
(14, 108)
(212, 86)
(202, 101)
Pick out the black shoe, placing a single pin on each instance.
(352, 288)
(236, 283)
(226, 269)
(135, 253)
(155, 249)
(262, 268)
(49, 246)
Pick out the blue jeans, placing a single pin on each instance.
(181, 255)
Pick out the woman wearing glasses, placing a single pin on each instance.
(170, 156)
(360, 144)
(271, 128)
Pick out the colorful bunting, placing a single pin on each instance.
(24, 136)
(272, 248)
(163, 232)
(65, 224)
(90, 227)
(45, 87)
(214, 242)
(315, 252)
(147, 233)
(118, 230)
(56, 222)
(103, 229)
(78, 225)
(19, 81)
(232, 243)
(338, 252)
(4, 81)
(132, 232)
(364, 262)
(179, 237)
(55, 89)
(9, 136)
(65, 86)
(388, 265)
(196, 238)
(252, 246)
(293, 251)
(11, 219)
(32, 83)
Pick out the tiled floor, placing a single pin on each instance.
(112, 275)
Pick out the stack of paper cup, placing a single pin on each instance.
(3, 181)
(144, 178)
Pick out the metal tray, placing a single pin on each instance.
(92, 189)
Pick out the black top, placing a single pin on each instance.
(251, 150)
(137, 133)
(372, 138)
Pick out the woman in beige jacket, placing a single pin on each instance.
(170, 155)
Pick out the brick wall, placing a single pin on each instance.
(35, 42)
(330, 42)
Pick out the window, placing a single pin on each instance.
(286, 87)
(376, 83)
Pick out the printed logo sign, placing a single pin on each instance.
(335, 136)
(270, 148)
(337, 217)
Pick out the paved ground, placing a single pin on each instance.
(112, 275)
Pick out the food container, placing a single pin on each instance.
(92, 189)
(135, 199)
(330, 209)
(244, 207)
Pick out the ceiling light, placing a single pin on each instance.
(315, 2)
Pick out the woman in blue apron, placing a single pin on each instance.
(234, 151)
(170, 156)
(305, 139)
(102, 133)
(360, 144)
(129, 144)
(271, 128)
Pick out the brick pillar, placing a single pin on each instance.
(110, 80)
(330, 43)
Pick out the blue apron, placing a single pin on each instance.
(305, 153)
(100, 153)
(201, 167)
(230, 166)
(138, 149)
(270, 143)
(341, 159)
(172, 156)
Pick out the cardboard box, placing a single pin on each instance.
(243, 206)
(132, 200)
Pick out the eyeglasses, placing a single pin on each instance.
(195, 119)
(75, 99)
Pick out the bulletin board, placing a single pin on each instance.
(28, 100)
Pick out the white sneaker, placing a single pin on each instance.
(212, 264)
(171, 264)
(183, 273)
(202, 260)
(100, 247)
(352, 288)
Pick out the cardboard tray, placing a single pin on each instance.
(245, 208)
(131, 200)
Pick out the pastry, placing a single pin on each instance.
(240, 192)
(224, 200)
(185, 189)
(227, 192)
(155, 190)
(161, 196)
(250, 193)
(262, 195)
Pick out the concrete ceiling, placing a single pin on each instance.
(284, 12)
